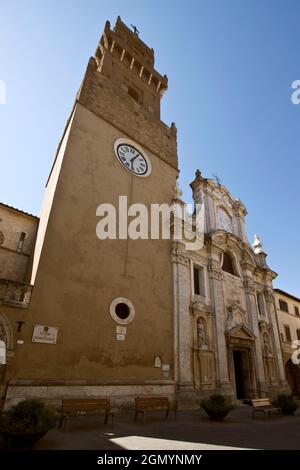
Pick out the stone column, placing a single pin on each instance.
(271, 312)
(253, 321)
(215, 277)
(182, 323)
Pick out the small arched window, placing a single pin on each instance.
(134, 94)
(228, 265)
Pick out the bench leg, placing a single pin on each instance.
(106, 418)
(60, 421)
(65, 423)
(167, 413)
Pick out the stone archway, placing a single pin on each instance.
(292, 372)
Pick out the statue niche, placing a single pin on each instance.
(202, 342)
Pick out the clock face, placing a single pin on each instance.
(224, 221)
(132, 157)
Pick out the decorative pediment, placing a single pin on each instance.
(241, 332)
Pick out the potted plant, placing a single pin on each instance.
(24, 424)
(217, 406)
(287, 403)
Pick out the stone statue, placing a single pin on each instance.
(257, 245)
(201, 334)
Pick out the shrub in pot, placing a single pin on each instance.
(217, 406)
(287, 403)
(24, 424)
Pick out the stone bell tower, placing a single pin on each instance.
(110, 301)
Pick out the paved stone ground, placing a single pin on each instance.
(191, 430)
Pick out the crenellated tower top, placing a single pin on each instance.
(127, 61)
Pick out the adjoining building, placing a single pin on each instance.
(288, 314)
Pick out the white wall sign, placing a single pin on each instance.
(121, 330)
(120, 337)
(157, 361)
(44, 334)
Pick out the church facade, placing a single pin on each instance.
(123, 317)
(227, 335)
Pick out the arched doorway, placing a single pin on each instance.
(292, 373)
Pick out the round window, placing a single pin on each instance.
(122, 310)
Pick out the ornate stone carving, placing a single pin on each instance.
(261, 260)
(180, 259)
(249, 286)
(197, 308)
(269, 295)
(179, 255)
(214, 272)
(235, 317)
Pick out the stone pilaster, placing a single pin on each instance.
(270, 302)
(240, 212)
(182, 346)
(252, 311)
(215, 277)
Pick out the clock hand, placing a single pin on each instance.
(132, 160)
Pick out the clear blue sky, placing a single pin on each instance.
(230, 65)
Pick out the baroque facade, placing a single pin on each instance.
(81, 316)
(227, 336)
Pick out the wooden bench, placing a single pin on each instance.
(143, 404)
(72, 407)
(263, 405)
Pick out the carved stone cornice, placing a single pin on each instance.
(214, 272)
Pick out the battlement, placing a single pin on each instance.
(128, 62)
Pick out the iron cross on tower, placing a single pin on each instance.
(135, 30)
(217, 179)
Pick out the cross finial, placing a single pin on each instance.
(218, 180)
(135, 30)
